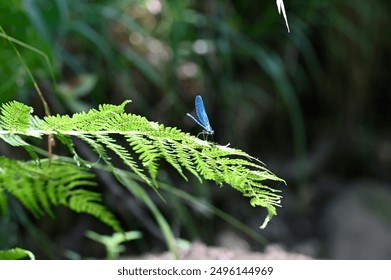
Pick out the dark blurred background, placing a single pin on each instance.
(313, 104)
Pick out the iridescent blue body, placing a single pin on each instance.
(203, 120)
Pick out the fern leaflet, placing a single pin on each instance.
(40, 187)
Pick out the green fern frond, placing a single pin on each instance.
(148, 143)
(40, 187)
(15, 117)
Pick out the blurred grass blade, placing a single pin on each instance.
(99, 41)
(141, 194)
(144, 67)
(12, 40)
(223, 215)
(37, 20)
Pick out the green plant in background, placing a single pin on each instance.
(113, 243)
(122, 37)
(16, 254)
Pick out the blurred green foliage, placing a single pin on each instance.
(282, 96)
